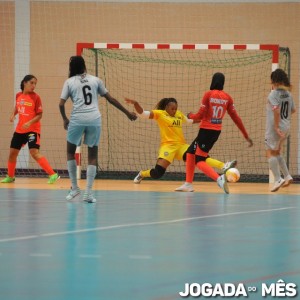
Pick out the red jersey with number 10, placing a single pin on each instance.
(212, 110)
(28, 106)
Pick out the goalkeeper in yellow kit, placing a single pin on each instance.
(173, 144)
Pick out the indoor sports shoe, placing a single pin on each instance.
(287, 181)
(228, 165)
(186, 187)
(53, 178)
(73, 193)
(89, 198)
(138, 178)
(222, 183)
(277, 185)
(8, 179)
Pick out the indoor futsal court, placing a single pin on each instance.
(144, 242)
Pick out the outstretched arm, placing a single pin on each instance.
(139, 109)
(131, 116)
(239, 123)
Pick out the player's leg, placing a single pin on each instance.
(11, 166)
(189, 158)
(221, 165)
(33, 140)
(15, 146)
(210, 172)
(205, 142)
(91, 138)
(165, 158)
(272, 151)
(288, 179)
(74, 136)
(155, 173)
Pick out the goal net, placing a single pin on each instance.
(150, 72)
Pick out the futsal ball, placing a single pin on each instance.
(233, 175)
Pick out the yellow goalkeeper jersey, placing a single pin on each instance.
(170, 127)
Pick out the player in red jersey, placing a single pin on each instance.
(214, 105)
(29, 107)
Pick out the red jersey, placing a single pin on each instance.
(28, 106)
(212, 110)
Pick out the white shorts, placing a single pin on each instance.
(274, 141)
(91, 135)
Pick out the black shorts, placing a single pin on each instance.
(21, 139)
(206, 139)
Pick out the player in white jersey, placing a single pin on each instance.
(85, 120)
(280, 107)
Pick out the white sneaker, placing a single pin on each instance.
(228, 165)
(72, 194)
(277, 185)
(222, 183)
(186, 187)
(287, 181)
(89, 198)
(138, 178)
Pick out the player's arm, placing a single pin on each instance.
(141, 112)
(130, 115)
(276, 112)
(37, 117)
(239, 123)
(190, 121)
(13, 114)
(63, 113)
(202, 110)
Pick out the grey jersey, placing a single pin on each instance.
(84, 90)
(283, 100)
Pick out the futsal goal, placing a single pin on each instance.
(149, 72)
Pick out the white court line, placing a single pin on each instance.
(90, 255)
(120, 226)
(140, 256)
(40, 254)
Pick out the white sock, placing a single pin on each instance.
(274, 167)
(72, 168)
(90, 177)
(283, 166)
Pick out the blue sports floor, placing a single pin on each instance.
(139, 244)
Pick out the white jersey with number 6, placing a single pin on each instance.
(84, 90)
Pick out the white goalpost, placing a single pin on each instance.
(148, 72)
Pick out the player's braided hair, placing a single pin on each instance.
(161, 105)
(76, 66)
(280, 77)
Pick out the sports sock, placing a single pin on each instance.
(283, 166)
(274, 167)
(208, 170)
(11, 168)
(145, 173)
(190, 167)
(90, 177)
(44, 164)
(214, 163)
(72, 168)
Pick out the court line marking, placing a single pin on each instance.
(90, 255)
(138, 256)
(40, 254)
(121, 226)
